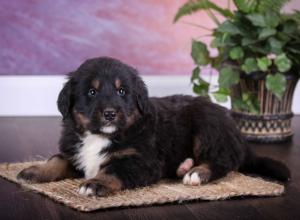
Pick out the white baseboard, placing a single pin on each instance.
(37, 95)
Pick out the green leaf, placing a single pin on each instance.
(263, 63)
(272, 19)
(250, 65)
(276, 45)
(201, 88)
(216, 42)
(216, 62)
(245, 96)
(257, 19)
(283, 37)
(254, 105)
(295, 16)
(247, 41)
(290, 26)
(195, 74)
(259, 48)
(294, 50)
(221, 95)
(228, 27)
(266, 32)
(228, 77)
(236, 53)
(283, 63)
(276, 84)
(200, 53)
(248, 102)
(222, 40)
(246, 5)
(239, 104)
(271, 5)
(197, 5)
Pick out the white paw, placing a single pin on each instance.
(85, 191)
(192, 179)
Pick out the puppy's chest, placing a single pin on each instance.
(89, 156)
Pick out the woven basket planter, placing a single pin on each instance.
(273, 123)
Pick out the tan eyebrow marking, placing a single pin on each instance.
(118, 83)
(96, 83)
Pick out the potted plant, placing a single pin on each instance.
(258, 62)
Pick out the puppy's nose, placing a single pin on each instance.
(109, 114)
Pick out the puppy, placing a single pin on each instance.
(116, 137)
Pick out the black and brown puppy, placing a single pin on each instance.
(118, 138)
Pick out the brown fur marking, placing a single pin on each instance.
(102, 184)
(125, 152)
(81, 120)
(132, 118)
(111, 182)
(56, 168)
(119, 154)
(118, 83)
(96, 83)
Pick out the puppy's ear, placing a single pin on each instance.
(141, 94)
(64, 99)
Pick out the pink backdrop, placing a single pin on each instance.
(55, 36)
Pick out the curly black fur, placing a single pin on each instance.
(162, 131)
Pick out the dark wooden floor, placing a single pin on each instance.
(33, 137)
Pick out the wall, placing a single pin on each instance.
(42, 40)
(53, 37)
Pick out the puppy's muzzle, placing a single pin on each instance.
(109, 114)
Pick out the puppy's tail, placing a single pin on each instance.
(265, 166)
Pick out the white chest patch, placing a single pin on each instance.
(89, 157)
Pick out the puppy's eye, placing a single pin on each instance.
(92, 93)
(121, 91)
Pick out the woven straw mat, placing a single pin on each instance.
(233, 185)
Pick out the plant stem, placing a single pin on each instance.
(204, 35)
(232, 66)
(213, 17)
(197, 25)
(228, 5)
(210, 75)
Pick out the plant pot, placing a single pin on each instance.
(273, 123)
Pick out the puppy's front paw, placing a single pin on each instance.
(197, 175)
(32, 174)
(93, 187)
(184, 167)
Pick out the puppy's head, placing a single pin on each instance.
(103, 96)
